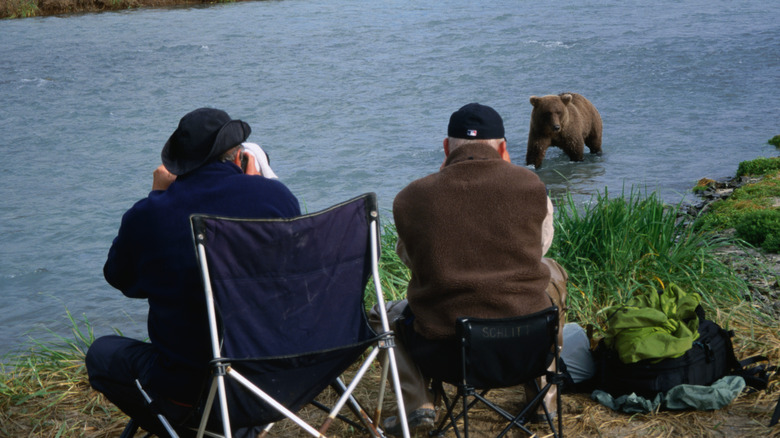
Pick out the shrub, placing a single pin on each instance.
(18, 9)
(772, 243)
(775, 141)
(759, 166)
(760, 228)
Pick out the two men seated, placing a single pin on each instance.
(474, 235)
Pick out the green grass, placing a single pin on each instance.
(759, 166)
(44, 389)
(745, 201)
(393, 274)
(612, 247)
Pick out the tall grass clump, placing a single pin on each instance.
(393, 274)
(45, 392)
(612, 247)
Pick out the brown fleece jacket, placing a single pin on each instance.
(472, 233)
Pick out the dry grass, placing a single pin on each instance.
(747, 416)
(40, 400)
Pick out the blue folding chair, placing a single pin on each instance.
(287, 315)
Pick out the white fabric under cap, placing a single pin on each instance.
(261, 160)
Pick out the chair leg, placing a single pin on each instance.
(368, 425)
(560, 412)
(130, 429)
(448, 419)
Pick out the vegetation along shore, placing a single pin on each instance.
(723, 246)
(39, 8)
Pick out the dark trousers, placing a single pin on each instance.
(114, 363)
(440, 358)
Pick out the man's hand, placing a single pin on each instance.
(251, 167)
(161, 178)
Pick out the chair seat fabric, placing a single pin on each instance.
(507, 352)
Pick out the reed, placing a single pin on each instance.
(612, 247)
(44, 391)
(393, 274)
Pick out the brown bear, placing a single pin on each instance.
(568, 121)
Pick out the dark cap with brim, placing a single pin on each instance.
(202, 136)
(475, 121)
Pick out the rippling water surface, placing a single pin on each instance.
(348, 97)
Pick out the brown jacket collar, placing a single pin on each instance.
(472, 152)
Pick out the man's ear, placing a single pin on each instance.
(446, 146)
(503, 151)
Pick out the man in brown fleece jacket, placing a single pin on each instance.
(474, 235)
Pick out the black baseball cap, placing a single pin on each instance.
(475, 121)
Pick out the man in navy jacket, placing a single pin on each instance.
(153, 257)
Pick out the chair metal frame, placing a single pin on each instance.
(466, 389)
(223, 370)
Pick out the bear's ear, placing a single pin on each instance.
(566, 98)
(534, 100)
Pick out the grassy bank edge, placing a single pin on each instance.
(10, 9)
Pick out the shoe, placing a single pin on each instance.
(420, 420)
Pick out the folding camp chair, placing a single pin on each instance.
(500, 353)
(287, 316)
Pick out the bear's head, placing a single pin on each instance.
(550, 112)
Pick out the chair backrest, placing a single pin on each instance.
(505, 352)
(289, 298)
(288, 286)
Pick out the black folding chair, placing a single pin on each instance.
(287, 315)
(500, 353)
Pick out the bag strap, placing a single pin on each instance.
(756, 376)
(776, 415)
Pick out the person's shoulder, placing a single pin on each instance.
(417, 192)
(520, 171)
(256, 181)
(421, 184)
(146, 203)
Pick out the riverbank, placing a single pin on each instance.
(45, 392)
(40, 8)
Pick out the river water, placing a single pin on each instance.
(349, 96)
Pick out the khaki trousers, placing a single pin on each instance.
(556, 290)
